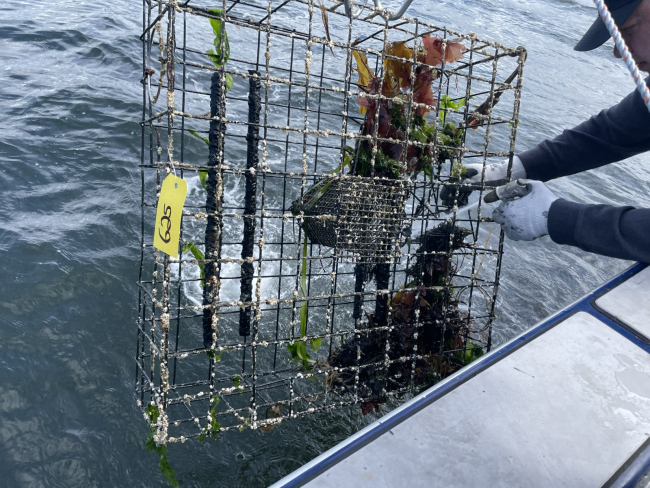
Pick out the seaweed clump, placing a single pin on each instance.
(426, 332)
(395, 105)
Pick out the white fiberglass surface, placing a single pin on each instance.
(568, 409)
(629, 302)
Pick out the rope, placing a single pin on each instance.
(622, 48)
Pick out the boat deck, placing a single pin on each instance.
(566, 403)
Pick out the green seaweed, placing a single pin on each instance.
(446, 103)
(212, 354)
(472, 353)
(198, 255)
(196, 134)
(203, 174)
(166, 469)
(219, 57)
(298, 349)
(213, 427)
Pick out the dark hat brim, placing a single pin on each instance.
(598, 34)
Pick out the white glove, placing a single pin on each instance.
(524, 218)
(495, 173)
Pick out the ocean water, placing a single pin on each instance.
(70, 220)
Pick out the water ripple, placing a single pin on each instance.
(69, 235)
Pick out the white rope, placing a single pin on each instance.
(622, 48)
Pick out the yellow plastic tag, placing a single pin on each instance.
(168, 215)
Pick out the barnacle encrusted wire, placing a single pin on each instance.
(316, 272)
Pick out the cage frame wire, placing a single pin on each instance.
(155, 384)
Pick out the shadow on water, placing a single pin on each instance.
(69, 234)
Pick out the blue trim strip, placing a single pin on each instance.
(338, 453)
(630, 477)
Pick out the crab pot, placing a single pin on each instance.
(314, 271)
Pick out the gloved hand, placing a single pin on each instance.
(451, 193)
(495, 175)
(524, 218)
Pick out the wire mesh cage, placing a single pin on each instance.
(322, 260)
(358, 214)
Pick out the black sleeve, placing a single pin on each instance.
(619, 232)
(614, 134)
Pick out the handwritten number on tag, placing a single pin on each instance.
(166, 223)
(168, 215)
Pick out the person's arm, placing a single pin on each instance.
(619, 232)
(614, 134)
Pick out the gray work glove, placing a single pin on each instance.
(495, 175)
(523, 213)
